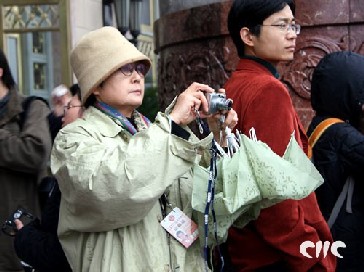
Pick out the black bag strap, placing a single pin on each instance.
(346, 193)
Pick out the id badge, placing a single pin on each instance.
(181, 227)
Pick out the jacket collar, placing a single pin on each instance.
(106, 126)
(262, 62)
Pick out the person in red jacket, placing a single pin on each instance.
(264, 33)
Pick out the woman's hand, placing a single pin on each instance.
(19, 224)
(192, 99)
(218, 123)
(220, 120)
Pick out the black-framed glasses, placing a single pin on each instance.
(140, 67)
(9, 226)
(68, 106)
(296, 28)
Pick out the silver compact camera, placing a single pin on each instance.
(217, 102)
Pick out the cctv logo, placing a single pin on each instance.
(324, 247)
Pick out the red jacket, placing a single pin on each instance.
(263, 102)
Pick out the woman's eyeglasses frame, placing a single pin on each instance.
(69, 106)
(140, 67)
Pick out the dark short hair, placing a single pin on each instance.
(76, 90)
(251, 14)
(7, 77)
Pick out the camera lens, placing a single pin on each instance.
(218, 101)
(229, 104)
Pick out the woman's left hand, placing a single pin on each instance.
(220, 120)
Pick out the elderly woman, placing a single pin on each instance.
(113, 165)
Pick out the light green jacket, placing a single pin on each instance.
(111, 182)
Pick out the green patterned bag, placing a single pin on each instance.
(253, 179)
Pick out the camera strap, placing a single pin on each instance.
(232, 145)
(199, 122)
(210, 203)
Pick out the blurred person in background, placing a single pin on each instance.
(37, 243)
(337, 96)
(24, 153)
(60, 96)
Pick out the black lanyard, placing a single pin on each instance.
(210, 195)
(210, 202)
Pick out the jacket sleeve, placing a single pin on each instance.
(109, 183)
(42, 250)
(271, 114)
(29, 150)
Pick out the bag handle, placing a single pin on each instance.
(346, 193)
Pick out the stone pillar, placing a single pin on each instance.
(169, 6)
(327, 26)
(193, 44)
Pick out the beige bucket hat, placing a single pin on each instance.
(98, 54)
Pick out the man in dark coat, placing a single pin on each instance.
(24, 154)
(337, 91)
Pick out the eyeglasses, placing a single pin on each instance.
(296, 28)
(68, 106)
(140, 67)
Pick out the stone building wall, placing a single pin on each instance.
(194, 45)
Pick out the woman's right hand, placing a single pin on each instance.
(192, 99)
